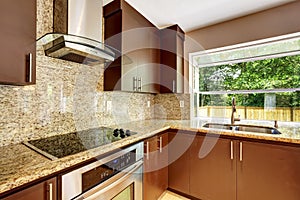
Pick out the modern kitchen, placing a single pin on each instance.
(150, 100)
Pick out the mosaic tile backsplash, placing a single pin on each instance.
(69, 96)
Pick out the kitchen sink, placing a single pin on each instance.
(243, 127)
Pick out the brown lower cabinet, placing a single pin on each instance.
(179, 161)
(268, 171)
(215, 168)
(46, 190)
(155, 166)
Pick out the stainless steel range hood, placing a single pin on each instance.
(76, 49)
(77, 35)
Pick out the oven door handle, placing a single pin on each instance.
(102, 188)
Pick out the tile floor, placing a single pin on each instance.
(167, 195)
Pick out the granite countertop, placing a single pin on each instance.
(20, 165)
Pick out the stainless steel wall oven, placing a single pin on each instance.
(116, 177)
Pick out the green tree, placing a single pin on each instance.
(273, 73)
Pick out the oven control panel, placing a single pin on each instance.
(105, 171)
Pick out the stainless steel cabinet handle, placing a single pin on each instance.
(140, 84)
(241, 151)
(134, 84)
(30, 67)
(173, 86)
(147, 150)
(50, 191)
(231, 150)
(160, 144)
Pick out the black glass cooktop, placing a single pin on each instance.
(71, 143)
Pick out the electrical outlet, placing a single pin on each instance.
(181, 104)
(148, 104)
(108, 106)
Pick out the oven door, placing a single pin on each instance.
(126, 185)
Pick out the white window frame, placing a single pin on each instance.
(193, 67)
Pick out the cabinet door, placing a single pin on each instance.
(168, 60)
(179, 66)
(213, 169)
(155, 167)
(150, 174)
(162, 181)
(171, 59)
(17, 39)
(113, 37)
(129, 32)
(267, 171)
(42, 191)
(129, 77)
(131, 41)
(142, 73)
(179, 161)
(149, 64)
(148, 74)
(140, 39)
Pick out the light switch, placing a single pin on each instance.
(148, 104)
(181, 104)
(108, 106)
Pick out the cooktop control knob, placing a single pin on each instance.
(116, 132)
(122, 133)
(128, 133)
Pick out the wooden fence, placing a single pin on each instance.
(253, 113)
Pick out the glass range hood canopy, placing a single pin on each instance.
(77, 49)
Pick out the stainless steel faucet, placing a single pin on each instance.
(233, 111)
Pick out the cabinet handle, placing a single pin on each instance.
(160, 144)
(147, 150)
(231, 150)
(30, 67)
(134, 83)
(173, 86)
(50, 191)
(140, 84)
(241, 151)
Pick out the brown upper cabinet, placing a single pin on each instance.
(17, 38)
(172, 59)
(137, 67)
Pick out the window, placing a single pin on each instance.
(263, 76)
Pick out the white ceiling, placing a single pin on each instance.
(193, 14)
